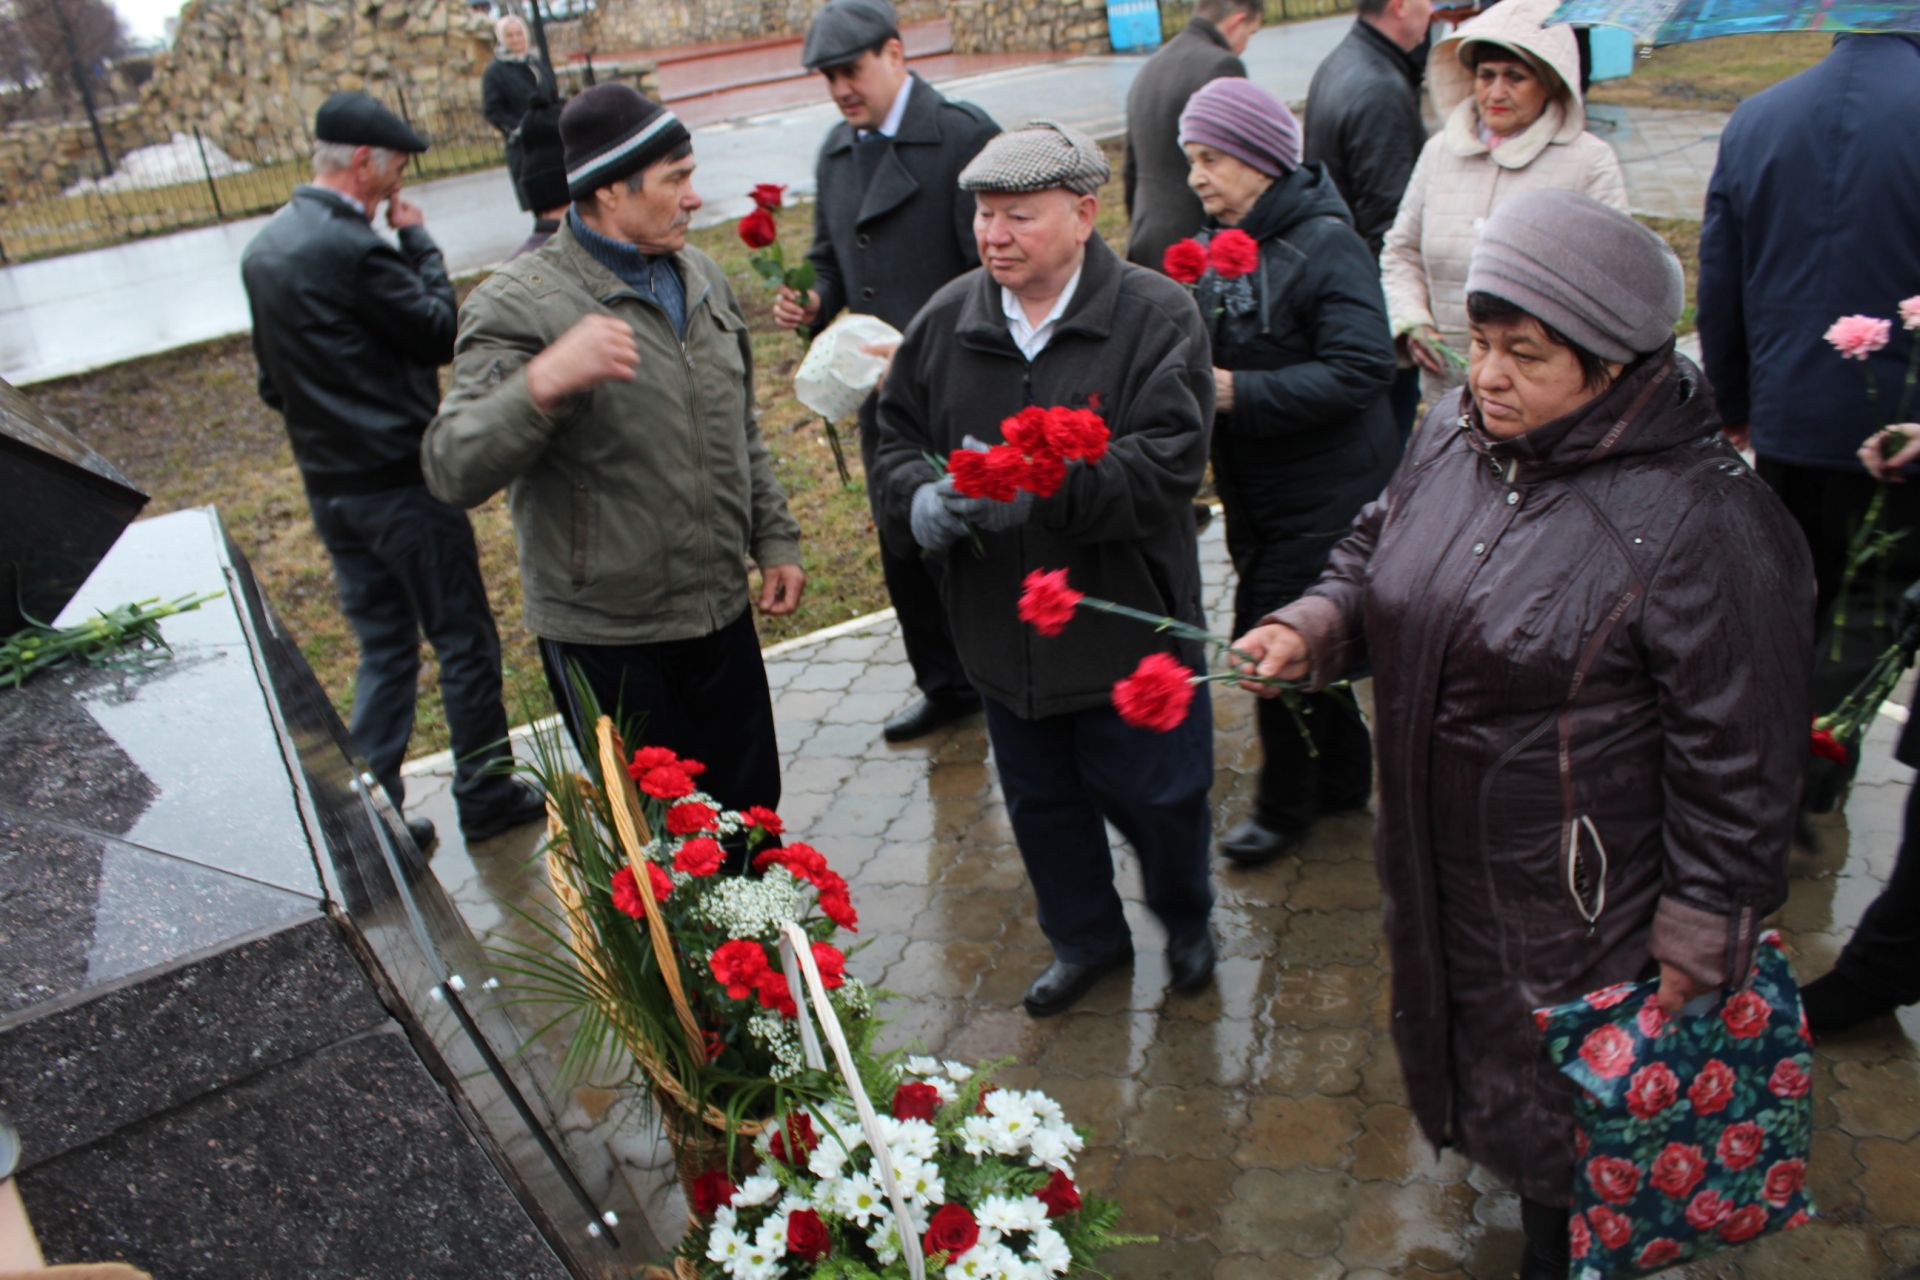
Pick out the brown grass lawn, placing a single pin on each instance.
(1713, 75)
(189, 428)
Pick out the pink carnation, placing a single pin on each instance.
(1910, 313)
(1857, 337)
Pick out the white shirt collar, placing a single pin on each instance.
(1032, 339)
(895, 114)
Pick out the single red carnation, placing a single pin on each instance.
(659, 881)
(776, 995)
(807, 1236)
(650, 758)
(685, 819)
(1046, 472)
(1078, 434)
(700, 856)
(1059, 1195)
(626, 893)
(832, 964)
(795, 1140)
(1232, 253)
(1828, 747)
(952, 1232)
(758, 815)
(968, 467)
(916, 1101)
(836, 906)
(1007, 472)
(668, 782)
(737, 965)
(768, 195)
(711, 1190)
(692, 768)
(1185, 261)
(1027, 429)
(757, 229)
(1047, 601)
(1156, 696)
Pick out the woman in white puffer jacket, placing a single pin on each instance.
(1507, 88)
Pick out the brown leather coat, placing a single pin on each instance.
(1590, 649)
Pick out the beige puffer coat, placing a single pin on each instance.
(1458, 180)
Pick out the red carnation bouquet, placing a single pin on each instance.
(1837, 734)
(1160, 690)
(668, 929)
(1218, 267)
(1039, 445)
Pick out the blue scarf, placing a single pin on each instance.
(650, 276)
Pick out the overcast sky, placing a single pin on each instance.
(147, 19)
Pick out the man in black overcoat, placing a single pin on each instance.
(890, 227)
(1160, 207)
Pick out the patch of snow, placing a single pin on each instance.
(162, 165)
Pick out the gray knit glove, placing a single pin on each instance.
(934, 526)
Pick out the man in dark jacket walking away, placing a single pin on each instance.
(890, 227)
(1363, 124)
(1054, 318)
(350, 334)
(510, 88)
(1160, 208)
(1808, 219)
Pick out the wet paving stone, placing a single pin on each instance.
(1327, 995)
(1391, 1148)
(1286, 1132)
(1187, 1052)
(1299, 1211)
(1249, 1266)
(1178, 1198)
(1890, 1180)
(1296, 1061)
(1875, 1099)
(1333, 937)
(1425, 1225)
(1198, 1121)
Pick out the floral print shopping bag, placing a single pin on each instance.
(1691, 1134)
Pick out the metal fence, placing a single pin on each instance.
(190, 181)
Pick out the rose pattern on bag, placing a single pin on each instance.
(1691, 1134)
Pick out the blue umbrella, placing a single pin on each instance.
(1675, 21)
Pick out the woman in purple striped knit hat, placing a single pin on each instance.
(1303, 433)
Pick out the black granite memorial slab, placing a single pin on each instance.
(349, 1162)
(65, 505)
(212, 1020)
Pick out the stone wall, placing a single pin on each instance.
(630, 26)
(42, 156)
(248, 70)
(1021, 26)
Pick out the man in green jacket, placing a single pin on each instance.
(606, 382)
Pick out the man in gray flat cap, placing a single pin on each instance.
(1054, 318)
(350, 333)
(890, 226)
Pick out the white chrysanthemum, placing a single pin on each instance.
(755, 1190)
(946, 1088)
(908, 1138)
(920, 1180)
(924, 1067)
(1055, 1145)
(724, 1244)
(726, 1216)
(1046, 1108)
(860, 1198)
(772, 1235)
(885, 1243)
(1008, 1214)
(978, 1137)
(1013, 1122)
(1048, 1248)
(985, 1262)
(959, 1071)
(754, 1263)
(789, 1202)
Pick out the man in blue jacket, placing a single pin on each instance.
(1809, 218)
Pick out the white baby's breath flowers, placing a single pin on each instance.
(781, 1039)
(751, 907)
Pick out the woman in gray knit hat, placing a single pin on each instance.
(1588, 625)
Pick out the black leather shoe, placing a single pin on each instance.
(926, 714)
(1348, 803)
(1190, 960)
(1202, 515)
(525, 807)
(1253, 843)
(424, 836)
(1834, 1002)
(1063, 983)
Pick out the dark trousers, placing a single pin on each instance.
(405, 563)
(913, 584)
(1883, 956)
(1848, 634)
(1065, 777)
(704, 698)
(1296, 786)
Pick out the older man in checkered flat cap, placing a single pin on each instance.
(1054, 317)
(605, 380)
